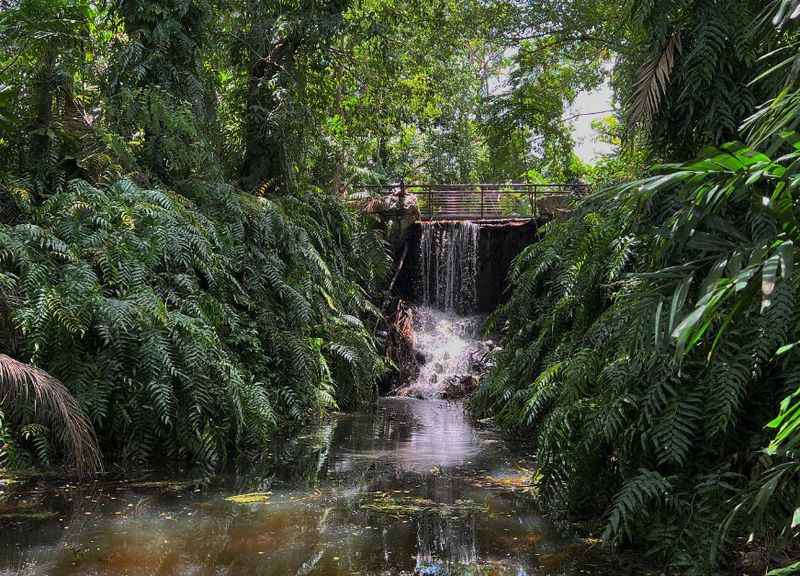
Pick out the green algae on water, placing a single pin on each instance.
(23, 514)
(23, 511)
(403, 506)
(164, 486)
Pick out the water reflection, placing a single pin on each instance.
(409, 435)
(413, 488)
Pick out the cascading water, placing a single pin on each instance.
(448, 267)
(446, 330)
(450, 350)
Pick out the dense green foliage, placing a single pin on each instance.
(651, 339)
(189, 317)
(185, 335)
(687, 75)
(623, 424)
(173, 242)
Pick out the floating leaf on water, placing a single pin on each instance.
(250, 498)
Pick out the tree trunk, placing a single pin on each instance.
(264, 161)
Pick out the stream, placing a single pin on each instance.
(414, 486)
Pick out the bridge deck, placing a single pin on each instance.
(475, 202)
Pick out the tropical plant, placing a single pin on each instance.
(629, 420)
(188, 318)
(184, 335)
(685, 76)
(651, 340)
(24, 389)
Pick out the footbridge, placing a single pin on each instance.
(476, 202)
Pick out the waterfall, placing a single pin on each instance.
(446, 328)
(449, 265)
(447, 342)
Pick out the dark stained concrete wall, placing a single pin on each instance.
(498, 245)
(406, 285)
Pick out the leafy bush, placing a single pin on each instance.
(642, 348)
(188, 329)
(652, 337)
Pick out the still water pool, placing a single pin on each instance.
(414, 487)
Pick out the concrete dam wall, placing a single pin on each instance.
(462, 266)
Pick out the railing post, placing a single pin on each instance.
(481, 202)
(531, 191)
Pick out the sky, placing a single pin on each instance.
(586, 145)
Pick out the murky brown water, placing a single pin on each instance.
(414, 488)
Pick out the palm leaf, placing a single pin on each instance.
(52, 402)
(653, 82)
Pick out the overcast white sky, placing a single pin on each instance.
(599, 100)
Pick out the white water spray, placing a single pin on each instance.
(446, 327)
(447, 343)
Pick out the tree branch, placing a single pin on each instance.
(568, 118)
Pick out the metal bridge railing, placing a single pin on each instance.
(507, 201)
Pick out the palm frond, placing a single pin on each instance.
(654, 81)
(22, 384)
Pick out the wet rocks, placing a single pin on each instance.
(481, 360)
(409, 391)
(458, 387)
(442, 354)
